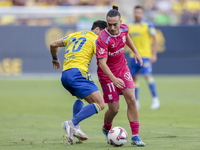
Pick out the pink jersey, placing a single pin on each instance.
(112, 47)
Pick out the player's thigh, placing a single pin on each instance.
(65, 80)
(129, 95)
(95, 97)
(134, 67)
(147, 67)
(128, 80)
(110, 92)
(84, 87)
(77, 84)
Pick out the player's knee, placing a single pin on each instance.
(115, 111)
(102, 105)
(131, 101)
(149, 78)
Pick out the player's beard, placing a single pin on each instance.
(137, 19)
(113, 32)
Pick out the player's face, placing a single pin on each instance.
(113, 24)
(138, 14)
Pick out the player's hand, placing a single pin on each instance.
(56, 64)
(154, 58)
(119, 83)
(138, 57)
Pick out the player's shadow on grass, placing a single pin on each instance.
(101, 145)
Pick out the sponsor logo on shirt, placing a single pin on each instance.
(110, 96)
(101, 51)
(127, 76)
(116, 52)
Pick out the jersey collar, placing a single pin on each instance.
(141, 20)
(111, 34)
(93, 32)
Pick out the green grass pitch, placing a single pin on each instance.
(31, 113)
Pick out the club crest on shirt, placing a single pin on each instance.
(124, 39)
(110, 96)
(101, 51)
(127, 76)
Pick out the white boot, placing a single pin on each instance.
(155, 104)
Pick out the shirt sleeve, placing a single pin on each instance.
(65, 40)
(101, 48)
(95, 46)
(152, 30)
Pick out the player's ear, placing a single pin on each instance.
(97, 30)
(120, 21)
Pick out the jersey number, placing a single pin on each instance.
(73, 40)
(111, 87)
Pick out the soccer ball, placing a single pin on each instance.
(117, 136)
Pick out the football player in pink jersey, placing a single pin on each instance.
(114, 75)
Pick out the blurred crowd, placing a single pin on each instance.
(160, 12)
(54, 2)
(12, 19)
(173, 12)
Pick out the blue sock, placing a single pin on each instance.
(152, 86)
(86, 112)
(78, 105)
(137, 87)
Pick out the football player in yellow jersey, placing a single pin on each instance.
(80, 48)
(142, 33)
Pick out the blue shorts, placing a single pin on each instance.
(79, 84)
(146, 69)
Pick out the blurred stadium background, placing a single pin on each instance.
(28, 26)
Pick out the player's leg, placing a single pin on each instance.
(71, 81)
(111, 112)
(133, 116)
(111, 97)
(137, 88)
(147, 69)
(152, 86)
(134, 70)
(78, 133)
(95, 105)
(113, 109)
(78, 105)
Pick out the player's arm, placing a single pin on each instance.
(136, 56)
(104, 67)
(152, 32)
(154, 49)
(54, 52)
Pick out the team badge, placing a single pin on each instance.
(101, 51)
(146, 64)
(110, 96)
(127, 76)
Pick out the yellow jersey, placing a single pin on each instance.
(141, 34)
(80, 48)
